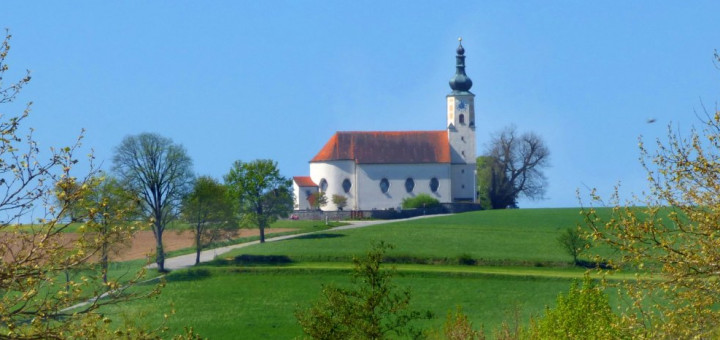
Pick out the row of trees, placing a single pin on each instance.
(38, 298)
(319, 199)
(159, 173)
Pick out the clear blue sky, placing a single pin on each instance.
(275, 79)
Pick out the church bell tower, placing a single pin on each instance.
(461, 132)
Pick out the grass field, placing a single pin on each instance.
(497, 237)
(519, 265)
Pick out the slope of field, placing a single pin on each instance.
(496, 237)
(230, 299)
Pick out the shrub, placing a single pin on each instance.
(583, 313)
(374, 308)
(420, 201)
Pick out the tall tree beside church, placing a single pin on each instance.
(512, 167)
(262, 194)
(160, 171)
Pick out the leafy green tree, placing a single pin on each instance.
(670, 237)
(512, 168)
(261, 193)
(374, 308)
(583, 313)
(420, 201)
(340, 201)
(317, 200)
(573, 242)
(111, 210)
(160, 171)
(210, 210)
(483, 180)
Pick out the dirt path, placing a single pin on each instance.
(143, 242)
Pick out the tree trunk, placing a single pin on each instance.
(160, 252)
(198, 245)
(262, 233)
(104, 260)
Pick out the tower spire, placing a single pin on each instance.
(460, 83)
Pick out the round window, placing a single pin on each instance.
(384, 185)
(323, 185)
(434, 184)
(409, 184)
(346, 185)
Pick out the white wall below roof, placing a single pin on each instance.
(365, 193)
(301, 194)
(335, 172)
(370, 175)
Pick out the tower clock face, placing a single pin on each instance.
(462, 106)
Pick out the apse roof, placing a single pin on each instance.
(304, 181)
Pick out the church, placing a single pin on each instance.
(378, 169)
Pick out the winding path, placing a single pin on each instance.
(188, 260)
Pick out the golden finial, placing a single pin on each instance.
(460, 39)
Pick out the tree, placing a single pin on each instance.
(373, 308)
(670, 237)
(34, 303)
(317, 200)
(261, 193)
(209, 209)
(109, 208)
(512, 168)
(583, 313)
(420, 201)
(573, 242)
(160, 171)
(457, 326)
(340, 201)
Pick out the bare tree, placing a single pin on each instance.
(515, 168)
(160, 171)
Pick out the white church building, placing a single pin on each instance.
(378, 169)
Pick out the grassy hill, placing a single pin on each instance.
(520, 265)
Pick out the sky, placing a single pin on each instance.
(243, 80)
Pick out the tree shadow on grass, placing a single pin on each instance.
(318, 235)
(194, 274)
(249, 260)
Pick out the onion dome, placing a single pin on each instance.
(460, 83)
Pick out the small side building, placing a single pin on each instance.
(303, 187)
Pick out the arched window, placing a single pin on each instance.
(462, 118)
(409, 184)
(346, 185)
(323, 185)
(434, 184)
(384, 185)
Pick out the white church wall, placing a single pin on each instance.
(371, 196)
(335, 172)
(463, 181)
(300, 196)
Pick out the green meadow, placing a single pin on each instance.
(491, 263)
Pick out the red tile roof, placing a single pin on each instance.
(304, 181)
(373, 147)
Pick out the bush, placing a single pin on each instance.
(583, 313)
(420, 201)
